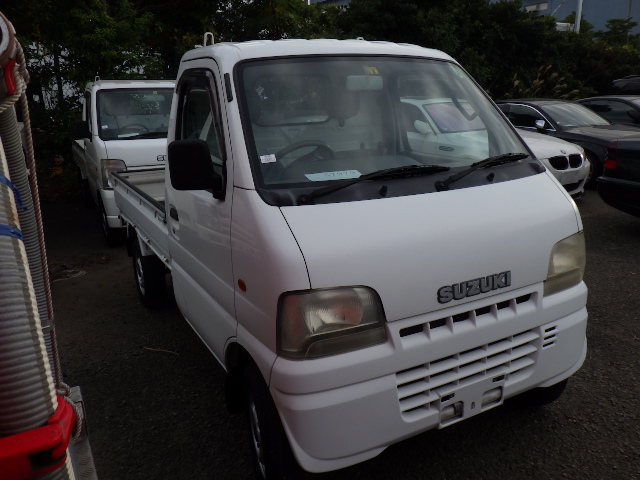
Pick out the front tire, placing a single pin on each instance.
(271, 454)
(594, 172)
(113, 237)
(149, 275)
(539, 397)
(85, 192)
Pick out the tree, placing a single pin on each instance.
(277, 19)
(586, 28)
(618, 32)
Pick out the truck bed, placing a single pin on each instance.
(139, 196)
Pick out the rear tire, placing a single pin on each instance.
(271, 454)
(149, 273)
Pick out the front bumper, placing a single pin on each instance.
(573, 179)
(435, 370)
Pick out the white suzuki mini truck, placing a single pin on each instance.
(124, 127)
(356, 289)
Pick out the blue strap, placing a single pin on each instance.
(10, 231)
(16, 192)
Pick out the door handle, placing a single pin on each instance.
(173, 213)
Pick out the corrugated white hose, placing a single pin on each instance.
(27, 394)
(30, 217)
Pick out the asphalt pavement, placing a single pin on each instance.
(154, 394)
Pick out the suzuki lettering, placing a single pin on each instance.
(474, 287)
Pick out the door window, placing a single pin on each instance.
(87, 110)
(612, 110)
(200, 119)
(524, 116)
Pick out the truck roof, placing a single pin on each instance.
(112, 84)
(234, 52)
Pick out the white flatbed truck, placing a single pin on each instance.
(123, 128)
(356, 290)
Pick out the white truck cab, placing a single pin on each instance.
(357, 289)
(124, 127)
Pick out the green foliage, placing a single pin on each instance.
(586, 28)
(618, 33)
(547, 84)
(510, 52)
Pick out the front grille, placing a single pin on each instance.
(559, 162)
(418, 386)
(575, 160)
(562, 162)
(508, 359)
(470, 317)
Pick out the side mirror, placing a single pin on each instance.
(422, 127)
(82, 130)
(540, 126)
(191, 168)
(635, 116)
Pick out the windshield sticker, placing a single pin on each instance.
(271, 158)
(372, 70)
(320, 177)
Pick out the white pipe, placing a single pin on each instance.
(578, 16)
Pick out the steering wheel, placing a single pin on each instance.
(134, 127)
(311, 156)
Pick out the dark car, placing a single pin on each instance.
(622, 109)
(619, 185)
(629, 85)
(569, 121)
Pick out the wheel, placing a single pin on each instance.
(134, 128)
(539, 397)
(85, 192)
(271, 454)
(149, 275)
(594, 172)
(112, 236)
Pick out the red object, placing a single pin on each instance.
(610, 159)
(8, 76)
(35, 452)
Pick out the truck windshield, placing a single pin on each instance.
(133, 113)
(313, 121)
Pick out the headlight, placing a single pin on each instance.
(317, 323)
(109, 166)
(566, 265)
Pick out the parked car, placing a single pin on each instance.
(565, 160)
(438, 127)
(569, 121)
(623, 109)
(629, 85)
(619, 185)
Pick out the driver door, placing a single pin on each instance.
(199, 224)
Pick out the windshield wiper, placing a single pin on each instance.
(404, 171)
(146, 135)
(487, 162)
